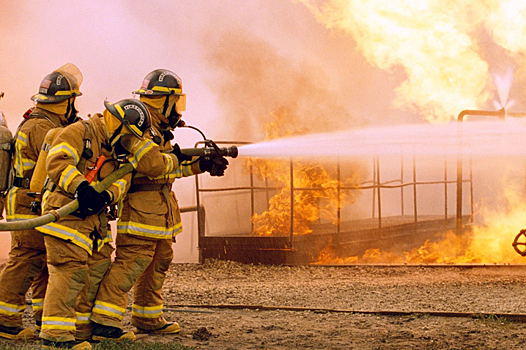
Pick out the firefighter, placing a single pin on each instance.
(75, 239)
(26, 267)
(149, 220)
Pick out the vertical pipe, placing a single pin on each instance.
(266, 191)
(471, 189)
(379, 198)
(459, 179)
(338, 213)
(200, 229)
(252, 201)
(445, 190)
(414, 194)
(374, 188)
(291, 204)
(459, 195)
(402, 183)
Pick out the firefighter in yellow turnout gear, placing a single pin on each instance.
(75, 240)
(26, 267)
(149, 219)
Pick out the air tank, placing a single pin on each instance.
(39, 174)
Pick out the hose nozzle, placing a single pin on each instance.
(211, 152)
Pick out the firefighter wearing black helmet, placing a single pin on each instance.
(73, 239)
(55, 108)
(150, 219)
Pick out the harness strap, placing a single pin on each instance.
(147, 187)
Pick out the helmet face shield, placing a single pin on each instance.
(180, 104)
(74, 77)
(60, 85)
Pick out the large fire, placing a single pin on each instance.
(442, 46)
(489, 243)
(309, 205)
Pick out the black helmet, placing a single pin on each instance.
(60, 85)
(161, 82)
(132, 113)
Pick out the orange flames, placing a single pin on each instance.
(489, 243)
(486, 243)
(442, 46)
(444, 49)
(309, 205)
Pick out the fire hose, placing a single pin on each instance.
(210, 150)
(69, 208)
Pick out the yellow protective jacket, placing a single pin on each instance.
(67, 170)
(150, 208)
(28, 143)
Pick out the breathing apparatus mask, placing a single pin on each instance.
(170, 106)
(72, 111)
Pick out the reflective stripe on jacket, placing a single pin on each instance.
(29, 139)
(154, 214)
(62, 165)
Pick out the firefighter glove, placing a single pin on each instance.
(181, 157)
(216, 166)
(90, 201)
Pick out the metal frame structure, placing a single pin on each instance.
(375, 185)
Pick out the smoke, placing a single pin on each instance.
(253, 83)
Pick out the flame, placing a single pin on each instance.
(439, 44)
(309, 205)
(488, 243)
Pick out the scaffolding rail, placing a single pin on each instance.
(375, 185)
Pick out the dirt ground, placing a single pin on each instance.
(192, 290)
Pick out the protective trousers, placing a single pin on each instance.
(140, 262)
(98, 263)
(68, 273)
(26, 268)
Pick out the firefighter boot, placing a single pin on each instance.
(101, 332)
(168, 328)
(75, 345)
(16, 333)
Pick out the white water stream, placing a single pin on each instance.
(501, 138)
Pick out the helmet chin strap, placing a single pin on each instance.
(165, 106)
(114, 138)
(71, 112)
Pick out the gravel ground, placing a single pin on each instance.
(362, 289)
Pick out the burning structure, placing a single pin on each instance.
(306, 215)
(443, 59)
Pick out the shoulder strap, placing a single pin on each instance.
(87, 153)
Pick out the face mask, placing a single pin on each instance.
(71, 112)
(174, 118)
(120, 150)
